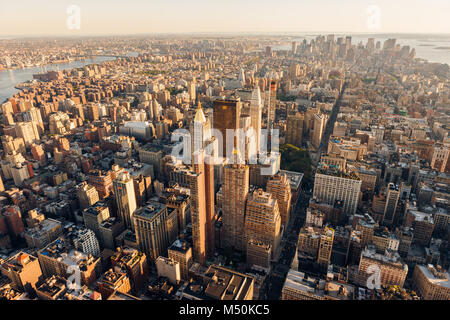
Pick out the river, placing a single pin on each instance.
(10, 78)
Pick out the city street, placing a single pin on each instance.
(289, 245)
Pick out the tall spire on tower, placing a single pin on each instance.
(199, 115)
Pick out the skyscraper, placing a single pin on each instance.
(125, 197)
(262, 219)
(319, 127)
(152, 235)
(227, 114)
(198, 208)
(271, 106)
(235, 187)
(256, 114)
(294, 129)
(280, 188)
(200, 129)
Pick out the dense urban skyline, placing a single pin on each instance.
(221, 165)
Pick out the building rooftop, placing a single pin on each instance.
(220, 283)
(436, 276)
(63, 251)
(180, 245)
(389, 257)
(298, 281)
(18, 261)
(150, 210)
(295, 178)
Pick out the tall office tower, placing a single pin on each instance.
(198, 208)
(200, 129)
(256, 114)
(294, 47)
(280, 188)
(28, 132)
(331, 185)
(271, 105)
(125, 197)
(151, 232)
(294, 129)
(210, 209)
(235, 189)
(269, 52)
(248, 145)
(392, 196)
(262, 220)
(319, 127)
(87, 195)
(226, 115)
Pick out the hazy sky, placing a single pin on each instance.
(49, 17)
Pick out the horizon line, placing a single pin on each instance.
(259, 33)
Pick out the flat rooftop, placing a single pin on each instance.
(150, 210)
(441, 279)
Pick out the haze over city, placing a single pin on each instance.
(48, 17)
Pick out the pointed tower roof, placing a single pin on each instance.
(256, 96)
(199, 115)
